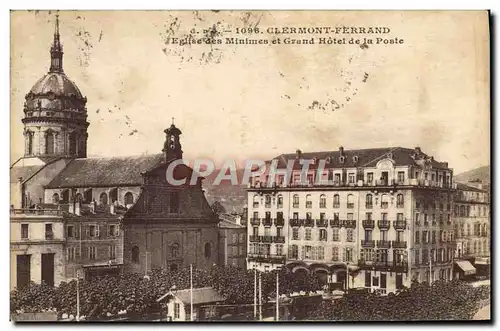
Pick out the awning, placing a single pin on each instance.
(467, 267)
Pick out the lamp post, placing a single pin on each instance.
(254, 292)
(78, 275)
(277, 294)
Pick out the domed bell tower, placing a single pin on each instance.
(172, 149)
(55, 113)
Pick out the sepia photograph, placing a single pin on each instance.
(252, 166)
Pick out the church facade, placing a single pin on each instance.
(97, 215)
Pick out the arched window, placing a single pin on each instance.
(336, 201)
(295, 201)
(103, 199)
(55, 198)
(468, 211)
(49, 143)
(174, 251)
(268, 201)
(256, 201)
(208, 250)
(369, 201)
(308, 201)
(400, 202)
(280, 201)
(135, 254)
(29, 137)
(350, 201)
(72, 143)
(385, 201)
(323, 235)
(462, 211)
(322, 201)
(129, 198)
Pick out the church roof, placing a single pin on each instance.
(57, 83)
(24, 172)
(104, 172)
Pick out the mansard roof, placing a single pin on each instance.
(357, 158)
(105, 172)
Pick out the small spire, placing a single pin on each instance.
(173, 118)
(56, 52)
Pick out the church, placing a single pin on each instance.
(72, 214)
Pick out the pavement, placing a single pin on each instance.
(483, 314)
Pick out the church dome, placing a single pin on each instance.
(58, 84)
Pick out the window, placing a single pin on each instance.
(307, 252)
(400, 202)
(92, 253)
(267, 231)
(295, 201)
(368, 279)
(294, 252)
(417, 218)
(322, 201)
(235, 238)
(280, 201)
(255, 201)
(399, 217)
(255, 231)
(369, 177)
(295, 216)
(174, 202)
(174, 250)
(322, 235)
(30, 142)
(70, 233)
(368, 235)
(208, 250)
(308, 234)
(308, 201)
(321, 216)
(234, 250)
(336, 216)
(24, 231)
(368, 216)
(336, 234)
(400, 236)
(384, 216)
(308, 216)
(336, 201)
(383, 235)
(112, 230)
(417, 256)
(385, 201)
(369, 201)
(417, 237)
(135, 254)
(92, 231)
(103, 199)
(129, 198)
(112, 252)
(335, 253)
(337, 179)
(433, 236)
(295, 233)
(55, 198)
(70, 254)
(268, 201)
(255, 215)
(350, 201)
(441, 219)
(351, 178)
(367, 254)
(177, 309)
(347, 254)
(49, 235)
(401, 177)
(350, 235)
(279, 231)
(321, 252)
(425, 237)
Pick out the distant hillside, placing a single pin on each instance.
(481, 173)
(232, 197)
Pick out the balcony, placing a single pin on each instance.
(383, 244)
(279, 222)
(279, 239)
(308, 222)
(295, 222)
(368, 243)
(391, 266)
(384, 224)
(32, 211)
(335, 223)
(266, 239)
(267, 258)
(368, 224)
(349, 223)
(322, 223)
(399, 244)
(255, 221)
(400, 224)
(267, 221)
(254, 238)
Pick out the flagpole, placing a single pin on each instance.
(191, 294)
(254, 292)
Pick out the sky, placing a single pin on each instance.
(259, 101)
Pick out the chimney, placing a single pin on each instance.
(237, 219)
(92, 206)
(341, 151)
(71, 206)
(418, 150)
(299, 153)
(112, 209)
(78, 206)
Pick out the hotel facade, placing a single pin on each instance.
(373, 218)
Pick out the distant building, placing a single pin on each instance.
(179, 304)
(232, 241)
(379, 217)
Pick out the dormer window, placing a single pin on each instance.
(314, 160)
(355, 159)
(328, 159)
(29, 114)
(341, 159)
(389, 155)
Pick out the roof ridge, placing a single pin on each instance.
(380, 156)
